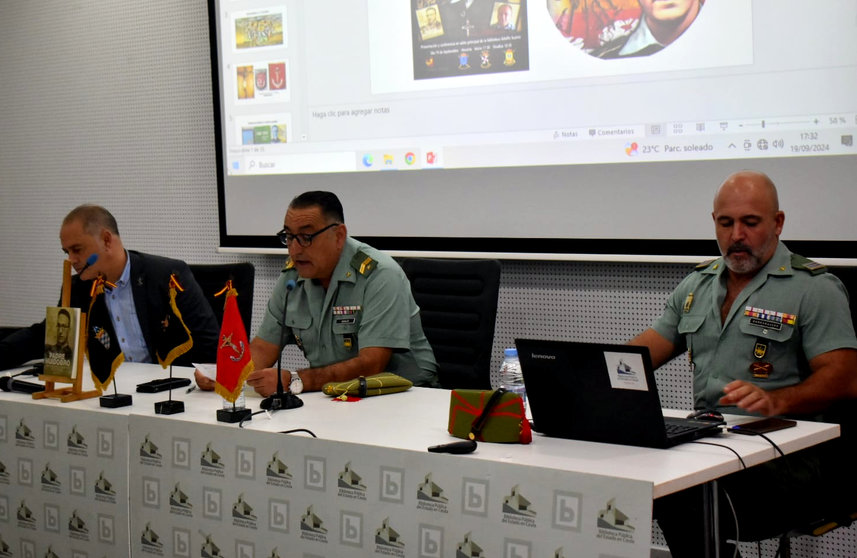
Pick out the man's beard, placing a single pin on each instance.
(752, 262)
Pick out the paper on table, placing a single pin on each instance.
(210, 370)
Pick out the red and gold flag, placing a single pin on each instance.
(233, 350)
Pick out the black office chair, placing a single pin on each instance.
(458, 305)
(842, 504)
(212, 277)
(7, 330)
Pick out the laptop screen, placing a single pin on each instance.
(594, 392)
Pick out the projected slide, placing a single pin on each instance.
(456, 93)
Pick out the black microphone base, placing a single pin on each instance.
(115, 401)
(281, 401)
(169, 407)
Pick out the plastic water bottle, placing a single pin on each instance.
(511, 378)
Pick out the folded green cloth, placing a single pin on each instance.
(364, 386)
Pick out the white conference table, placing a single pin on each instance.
(382, 423)
(411, 421)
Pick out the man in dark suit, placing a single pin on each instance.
(137, 304)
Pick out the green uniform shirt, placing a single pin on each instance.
(757, 328)
(367, 304)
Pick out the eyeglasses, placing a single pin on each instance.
(303, 239)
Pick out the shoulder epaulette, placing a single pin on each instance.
(702, 265)
(363, 263)
(289, 265)
(806, 264)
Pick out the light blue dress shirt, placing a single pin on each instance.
(123, 314)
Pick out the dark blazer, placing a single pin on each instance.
(150, 277)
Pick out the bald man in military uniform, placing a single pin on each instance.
(768, 333)
(347, 305)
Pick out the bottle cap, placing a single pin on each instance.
(510, 353)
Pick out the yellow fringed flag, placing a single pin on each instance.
(175, 338)
(102, 347)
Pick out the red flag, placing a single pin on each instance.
(233, 351)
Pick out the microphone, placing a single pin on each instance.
(89, 261)
(280, 399)
(9, 383)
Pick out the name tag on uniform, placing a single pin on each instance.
(344, 315)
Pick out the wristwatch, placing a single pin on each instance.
(296, 385)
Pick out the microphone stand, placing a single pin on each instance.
(281, 399)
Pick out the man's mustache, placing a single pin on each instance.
(739, 247)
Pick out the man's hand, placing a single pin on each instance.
(202, 381)
(264, 381)
(833, 377)
(751, 397)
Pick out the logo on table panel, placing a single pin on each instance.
(613, 525)
(468, 547)
(76, 443)
(77, 528)
(4, 548)
(312, 527)
(388, 541)
(26, 519)
(517, 510)
(52, 518)
(149, 453)
(566, 510)
(430, 496)
(315, 473)
(50, 481)
(180, 502)
(4, 473)
(474, 497)
(49, 553)
(211, 463)
(277, 472)
(24, 436)
(350, 484)
(51, 438)
(104, 491)
(150, 541)
(243, 514)
(104, 442)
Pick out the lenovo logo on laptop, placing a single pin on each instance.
(542, 357)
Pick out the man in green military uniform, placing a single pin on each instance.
(346, 305)
(767, 333)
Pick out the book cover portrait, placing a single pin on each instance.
(62, 336)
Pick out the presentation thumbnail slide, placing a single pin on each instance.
(265, 129)
(261, 82)
(259, 29)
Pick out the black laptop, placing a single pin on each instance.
(600, 393)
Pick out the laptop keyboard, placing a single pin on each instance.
(676, 429)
